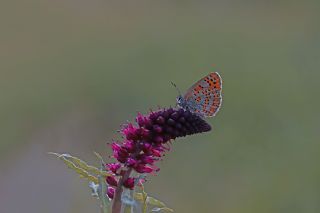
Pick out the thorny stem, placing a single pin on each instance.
(116, 205)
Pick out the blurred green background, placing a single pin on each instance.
(72, 71)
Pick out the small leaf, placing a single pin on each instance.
(82, 164)
(152, 201)
(99, 157)
(165, 209)
(105, 201)
(83, 173)
(144, 199)
(155, 202)
(94, 188)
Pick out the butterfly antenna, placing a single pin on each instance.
(175, 86)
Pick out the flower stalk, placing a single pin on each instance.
(144, 144)
(117, 203)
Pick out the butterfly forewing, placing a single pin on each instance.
(206, 95)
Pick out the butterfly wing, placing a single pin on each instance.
(205, 95)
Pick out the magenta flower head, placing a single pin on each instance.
(146, 142)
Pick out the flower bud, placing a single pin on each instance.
(110, 192)
(112, 181)
(129, 183)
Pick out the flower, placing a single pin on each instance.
(113, 167)
(145, 143)
(112, 181)
(129, 183)
(110, 192)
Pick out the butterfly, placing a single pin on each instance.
(204, 97)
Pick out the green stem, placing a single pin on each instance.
(104, 209)
(103, 189)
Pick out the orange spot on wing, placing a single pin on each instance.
(198, 99)
(217, 86)
(216, 81)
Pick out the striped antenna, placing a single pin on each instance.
(175, 86)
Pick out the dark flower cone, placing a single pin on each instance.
(167, 124)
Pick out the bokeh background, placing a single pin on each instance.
(72, 71)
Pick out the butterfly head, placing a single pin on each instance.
(182, 102)
(180, 99)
